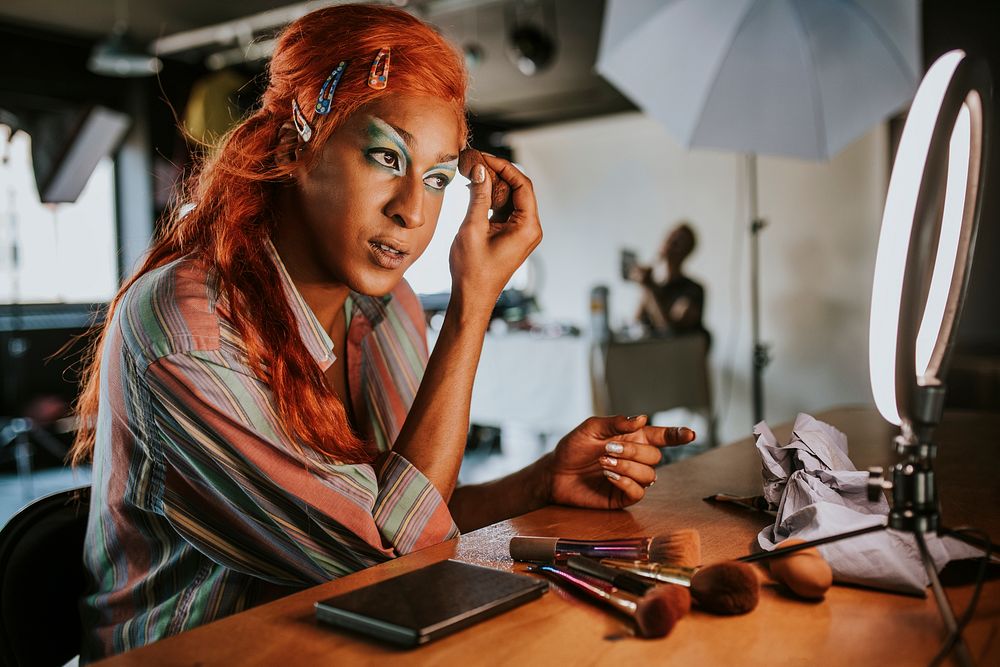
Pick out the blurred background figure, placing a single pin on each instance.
(672, 303)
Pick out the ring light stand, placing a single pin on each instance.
(921, 274)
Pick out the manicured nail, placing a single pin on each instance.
(614, 448)
(479, 174)
(612, 475)
(609, 461)
(688, 433)
(633, 417)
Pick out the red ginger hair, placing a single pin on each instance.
(233, 193)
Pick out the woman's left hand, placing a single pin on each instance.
(607, 462)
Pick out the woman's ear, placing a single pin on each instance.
(289, 145)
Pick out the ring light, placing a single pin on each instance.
(928, 234)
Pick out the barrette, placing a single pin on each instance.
(329, 88)
(301, 125)
(379, 76)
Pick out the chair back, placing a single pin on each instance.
(654, 375)
(42, 578)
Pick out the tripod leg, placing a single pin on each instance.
(961, 650)
(974, 541)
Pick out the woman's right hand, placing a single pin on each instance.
(485, 254)
(641, 274)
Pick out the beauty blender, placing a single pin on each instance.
(806, 573)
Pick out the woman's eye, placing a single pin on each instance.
(436, 181)
(385, 157)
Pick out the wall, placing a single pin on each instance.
(621, 181)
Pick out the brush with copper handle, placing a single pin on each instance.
(723, 588)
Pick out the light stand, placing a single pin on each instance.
(953, 136)
(761, 354)
(915, 507)
(921, 274)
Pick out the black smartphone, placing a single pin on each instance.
(629, 260)
(434, 601)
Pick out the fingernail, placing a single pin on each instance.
(609, 461)
(614, 448)
(633, 418)
(612, 475)
(687, 433)
(478, 174)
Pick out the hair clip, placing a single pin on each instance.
(301, 125)
(329, 88)
(380, 77)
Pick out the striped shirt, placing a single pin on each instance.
(201, 505)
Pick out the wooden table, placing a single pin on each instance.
(852, 626)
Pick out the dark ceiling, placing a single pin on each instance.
(499, 93)
(146, 19)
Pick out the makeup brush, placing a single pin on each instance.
(723, 588)
(682, 547)
(655, 613)
(626, 581)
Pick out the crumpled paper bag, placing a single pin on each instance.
(819, 492)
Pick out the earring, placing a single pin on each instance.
(328, 89)
(301, 125)
(379, 76)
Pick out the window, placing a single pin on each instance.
(54, 253)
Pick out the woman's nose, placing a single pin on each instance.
(407, 205)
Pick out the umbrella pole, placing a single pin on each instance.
(761, 356)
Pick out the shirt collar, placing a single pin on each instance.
(314, 336)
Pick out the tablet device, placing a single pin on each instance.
(434, 601)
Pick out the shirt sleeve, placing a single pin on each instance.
(233, 485)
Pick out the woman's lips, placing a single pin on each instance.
(387, 254)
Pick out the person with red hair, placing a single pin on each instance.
(261, 411)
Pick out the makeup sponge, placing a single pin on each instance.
(468, 159)
(806, 573)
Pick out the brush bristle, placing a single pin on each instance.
(659, 610)
(681, 547)
(726, 588)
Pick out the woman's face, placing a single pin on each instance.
(678, 245)
(368, 207)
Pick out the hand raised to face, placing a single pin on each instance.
(487, 250)
(500, 200)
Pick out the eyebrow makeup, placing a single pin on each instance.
(384, 135)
